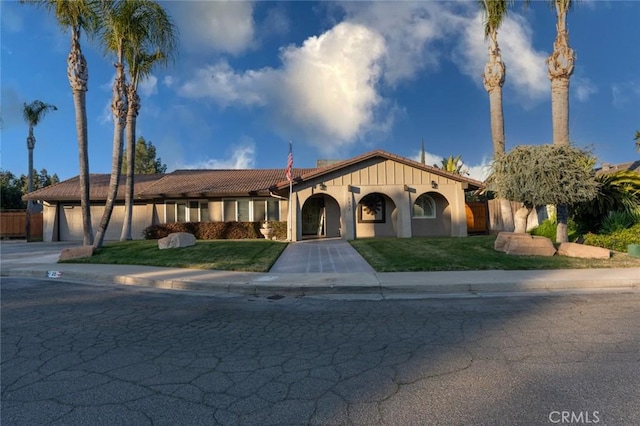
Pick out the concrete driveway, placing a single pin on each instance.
(325, 256)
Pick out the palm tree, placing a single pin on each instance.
(454, 165)
(33, 113)
(560, 68)
(154, 44)
(494, 12)
(637, 139)
(76, 16)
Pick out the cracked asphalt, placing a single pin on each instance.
(76, 354)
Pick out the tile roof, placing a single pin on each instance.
(69, 190)
(612, 168)
(216, 182)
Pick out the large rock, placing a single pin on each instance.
(177, 239)
(76, 252)
(502, 241)
(583, 251)
(531, 246)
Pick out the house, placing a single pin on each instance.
(375, 194)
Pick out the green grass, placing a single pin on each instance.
(463, 254)
(229, 255)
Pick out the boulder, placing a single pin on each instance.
(519, 243)
(583, 251)
(76, 252)
(503, 239)
(176, 240)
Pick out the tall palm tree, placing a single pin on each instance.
(154, 44)
(77, 16)
(494, 74)
(560, 68)
(33, 113)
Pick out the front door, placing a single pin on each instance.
(313, 217)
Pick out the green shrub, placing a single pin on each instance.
(215, 230)
(616, 221)
(549, 226)
(618, 240)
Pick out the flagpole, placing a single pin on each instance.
(290, 177)
(290, 210)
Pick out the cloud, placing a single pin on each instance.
(214, 26)
(583, 88)
(526, 68)
(276, 21)
(325, 91)
(242, 157)
(148, 86)
(168, 80)
(625, 93)
(477, 171)
(10, 17)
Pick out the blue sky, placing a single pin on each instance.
(336, 78)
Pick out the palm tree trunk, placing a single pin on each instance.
(560, 68)
(132, 114)
(78, 75)
(119, 109)
(493, 78)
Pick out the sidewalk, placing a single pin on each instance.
(374, 285)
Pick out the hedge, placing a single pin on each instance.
(618, 240)
(215, 230)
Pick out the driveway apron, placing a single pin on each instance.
(325, 255)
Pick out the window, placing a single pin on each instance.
(183, 211)
(248, 210)
(424, 207)
(371, 209)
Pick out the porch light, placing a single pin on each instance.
(434, 184)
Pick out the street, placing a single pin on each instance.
(77, 354)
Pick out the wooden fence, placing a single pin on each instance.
(13, 224)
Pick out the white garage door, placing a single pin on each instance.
(71, 222)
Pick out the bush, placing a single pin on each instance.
(215, 230)
(616, 221)
(549, 226)
(618, 240)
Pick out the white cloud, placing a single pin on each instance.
(222, 84)
(325, 90)
(218, 26)
(526, 68)
(477, 171)
(583, 88)
(242, 157)
(625, 92)
(148, 86)
(168, 80)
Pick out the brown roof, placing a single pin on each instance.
(612, 168)
(216, 183)
(313, 173)
(69, 190)
(199, 183)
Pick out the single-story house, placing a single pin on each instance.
(374, 194)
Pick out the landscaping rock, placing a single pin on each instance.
(503, 239)
(176, 240)
(583, 251)
(530, 246)
(76, 252)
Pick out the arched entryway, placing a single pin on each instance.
(431, 216)
(320, 217)
(376, 216)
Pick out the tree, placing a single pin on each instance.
(544, 174)
(619, 191)
(10, 191)
(146, 162)
(154, 44)
(454, 165)
(560, 68)
(77, 16)
(40, 180)
(637, 139)
(494, 74)
(33, 113)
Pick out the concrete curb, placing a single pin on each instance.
(379, 285)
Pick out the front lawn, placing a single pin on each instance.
(229, 255)
(462, 254)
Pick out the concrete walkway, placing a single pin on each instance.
(324, 256)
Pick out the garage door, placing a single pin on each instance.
(71, 222)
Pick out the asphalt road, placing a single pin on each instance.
(75, 354)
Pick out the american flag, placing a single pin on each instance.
(289, 163)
